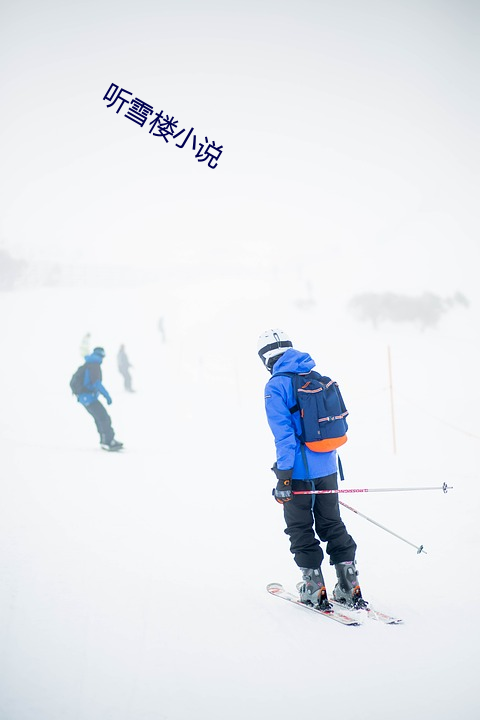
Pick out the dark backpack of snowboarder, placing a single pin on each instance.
(78, 379)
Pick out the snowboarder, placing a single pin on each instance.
(88, 397)
(123, 366)
(308, 518)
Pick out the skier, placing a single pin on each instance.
(88, 397)
(299, 468)
(123, 366)
(161, 329)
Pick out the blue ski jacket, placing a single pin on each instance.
(93, 381)
(286, 427)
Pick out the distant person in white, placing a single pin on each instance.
(124, 366)
(85, 345)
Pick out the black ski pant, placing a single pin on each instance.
(102, 421)
(309, 517)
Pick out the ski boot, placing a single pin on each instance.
(347, 590)
(112, 446)
(312, 589)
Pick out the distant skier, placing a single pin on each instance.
(124, 368)
(161, 329)
(300, 468)
(87, 385)
(85, 345)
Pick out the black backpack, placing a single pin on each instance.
(77, 382)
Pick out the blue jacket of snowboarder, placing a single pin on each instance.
(93, 381)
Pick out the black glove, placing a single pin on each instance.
(283, 492)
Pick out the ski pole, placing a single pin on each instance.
(419, 548)
(443, 487)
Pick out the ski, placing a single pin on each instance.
(337, 614)
(371, 613)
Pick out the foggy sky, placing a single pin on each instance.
(348, 129)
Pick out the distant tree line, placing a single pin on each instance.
(426, 309)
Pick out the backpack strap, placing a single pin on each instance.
(304, 458)
(293, 377)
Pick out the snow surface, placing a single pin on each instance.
(133, 585)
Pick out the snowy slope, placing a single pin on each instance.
(116, 569)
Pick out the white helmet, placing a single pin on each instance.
(271, 344)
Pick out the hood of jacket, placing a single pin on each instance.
(293, 361)
(93, 358)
